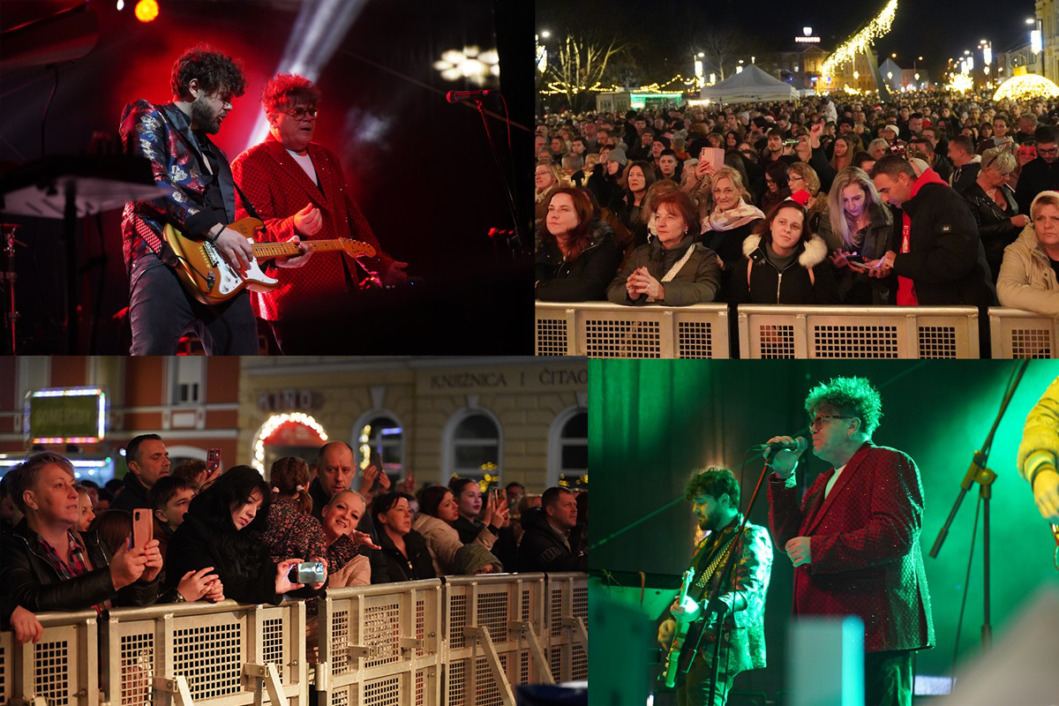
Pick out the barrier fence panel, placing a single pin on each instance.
(1015, 333)
(604, 330)
(381, 645)
(857, 332)
(58, 670)
(567, 626)
(225, 654)
(494, 632)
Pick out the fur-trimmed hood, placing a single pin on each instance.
(813, 253)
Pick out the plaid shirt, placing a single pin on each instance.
(78, 565)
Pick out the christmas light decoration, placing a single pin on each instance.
(1026, 86)
(861, 42)
(960, 82)
(275, 422)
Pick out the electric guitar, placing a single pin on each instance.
(212, 280)
(673, 656)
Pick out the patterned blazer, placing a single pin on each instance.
(163, 135)
(864, 547)
(743, 636)
(278, 188)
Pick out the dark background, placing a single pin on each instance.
(652, 422)
(420, 168)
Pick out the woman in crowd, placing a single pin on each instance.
(639, 176)
(547, 178)
(347, 549)
(671, 269)
(438, 511)
(784, 263)
(1028, 276)
(85, 515)
(865, 228)
(776, 187)
(403, 555)
(802, 177)
(730, 221)
(223, 529)
(493, 513)
(576, 255)
(290, 529)
(606, 180)
(842, 155)
(992, 202)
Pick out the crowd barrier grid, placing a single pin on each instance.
(59, 669)
(461, 640)
(1015, 333)
(604, 330)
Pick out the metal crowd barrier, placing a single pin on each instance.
(467, 640)
(1015, 333)
(603, 330)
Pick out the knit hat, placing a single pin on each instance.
(617, 155)
(894, 128)
(472, 557)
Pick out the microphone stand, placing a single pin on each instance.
(617, 533)
(978, 473)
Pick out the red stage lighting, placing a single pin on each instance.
(146, 10)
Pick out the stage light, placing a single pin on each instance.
(146, 10)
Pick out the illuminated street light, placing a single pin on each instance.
(545, 33)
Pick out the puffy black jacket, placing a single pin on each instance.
(994, 224)
(1036, 176)
(947, 262)
(541, 548)
(389, 564)
(584, 278)
(30, 581)
(758, 280)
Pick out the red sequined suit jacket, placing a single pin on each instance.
(278, 188)
(864, 547)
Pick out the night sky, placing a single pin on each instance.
(934, 30)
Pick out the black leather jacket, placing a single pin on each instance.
(30, 581)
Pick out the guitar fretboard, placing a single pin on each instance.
(277, 249)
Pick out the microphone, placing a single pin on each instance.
(460, 96)
(799, 446)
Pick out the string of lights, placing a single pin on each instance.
(861, 42)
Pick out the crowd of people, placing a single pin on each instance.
(933, 199)
(70, 545)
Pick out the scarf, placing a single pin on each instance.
(732, 218)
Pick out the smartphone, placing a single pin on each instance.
(712, 155)
(213, 462)
(307, 572)
(856, 259)
(142, 527)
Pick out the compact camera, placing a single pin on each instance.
(308, 572)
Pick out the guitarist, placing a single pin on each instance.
(199, 200)
(740, 604)
(299, 189)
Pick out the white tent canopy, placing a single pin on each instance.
(749, 86)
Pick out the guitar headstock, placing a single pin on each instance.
(357, 248)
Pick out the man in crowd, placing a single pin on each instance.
(148, 461)
(668, 166)
(197, 198)
(853, 537)
(1042, 173)
(923, 148)
(941, 259)
(547, 544)
(298, 189)
(965, 163)
(740, 604)
(774, 150)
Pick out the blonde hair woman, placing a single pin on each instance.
(1027, 276)
(730, 221)
(864, 229)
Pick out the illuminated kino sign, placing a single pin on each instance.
(72, 415)
(807, 40)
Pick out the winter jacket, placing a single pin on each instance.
(585, 278)
(1036, 176)
(133, 494)
(542, 549)
(1027, 280)
(946, 261)
(697, 282)
(443, 541)
(994, 225)
(389, 564)
(808, 279)
(31, 582)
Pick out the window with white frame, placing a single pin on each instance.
(187, 375)
(568, 449)
(380, 441)
(472, 447)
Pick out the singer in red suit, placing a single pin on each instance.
(853, 538)
(297, 188)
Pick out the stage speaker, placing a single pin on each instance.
(826, 662)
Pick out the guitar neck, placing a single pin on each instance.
(281, 249)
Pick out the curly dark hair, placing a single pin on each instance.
(285, 90)
(715, 481)
(216, 73)
(852, 396)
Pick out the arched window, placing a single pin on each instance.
(378, 437)
(568, 449)
(472, 444)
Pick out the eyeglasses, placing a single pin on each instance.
(1050, 150)
(794, 177)
(300, 112)
(818, 421)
